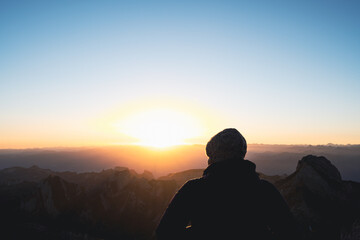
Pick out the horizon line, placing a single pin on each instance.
(174, 146)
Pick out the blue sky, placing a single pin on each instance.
(279, 71)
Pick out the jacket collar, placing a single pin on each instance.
(231, 167)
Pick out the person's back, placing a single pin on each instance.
(228, 202)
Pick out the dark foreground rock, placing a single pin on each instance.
(323, 204)
(120, 204)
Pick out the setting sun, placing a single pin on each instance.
(160, 127)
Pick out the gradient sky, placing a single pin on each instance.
(279, 71)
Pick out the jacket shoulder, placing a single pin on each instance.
(187, 191)
(192, 184)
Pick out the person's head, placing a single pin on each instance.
(227, 144)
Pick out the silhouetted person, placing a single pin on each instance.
(229, 201)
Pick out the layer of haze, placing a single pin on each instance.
(279, 71)
(269, 159)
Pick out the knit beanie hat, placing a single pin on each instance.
(227, 144)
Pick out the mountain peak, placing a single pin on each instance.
(318, 197)
(321, 165)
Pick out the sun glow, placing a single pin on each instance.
(160, 127)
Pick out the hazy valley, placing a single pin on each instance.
(270, 159)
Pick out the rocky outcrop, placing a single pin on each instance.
(15, 175)
(114, 201)
(147, 175)
(54, 196)
(321, 202)
(120, 203)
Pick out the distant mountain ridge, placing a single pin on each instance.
(270, 159)
(120, 203)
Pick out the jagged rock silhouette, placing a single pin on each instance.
(321, 202)
(119, 202)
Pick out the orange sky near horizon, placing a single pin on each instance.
(167, 124)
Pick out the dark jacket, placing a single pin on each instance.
(228, 202)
